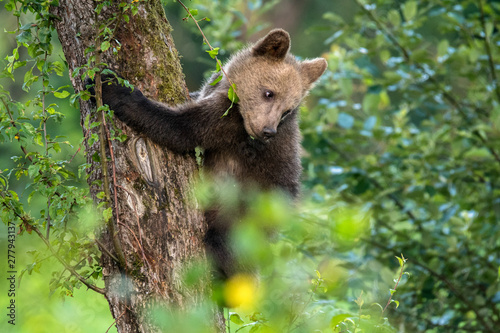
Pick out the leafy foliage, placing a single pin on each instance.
(408, 127)
(45, 163)
(49, 171)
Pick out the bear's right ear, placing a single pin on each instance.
(274, 45)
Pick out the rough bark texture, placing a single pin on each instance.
(155, 218)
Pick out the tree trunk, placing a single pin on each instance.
(157, 227)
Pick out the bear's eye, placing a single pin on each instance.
(268, 94)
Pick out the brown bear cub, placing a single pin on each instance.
(257, 143)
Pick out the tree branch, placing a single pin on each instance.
(28, 226)
(103, 138)
(403, 260)
(64, 263)
(384, 30)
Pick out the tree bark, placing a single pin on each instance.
(157, 225)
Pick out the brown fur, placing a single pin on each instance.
(257, 143)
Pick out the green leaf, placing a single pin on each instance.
(122, 137)
(25, 37)
(58, 67)
(44, 34)
(378, 305)
(336, 320)
(370, 103)
(235, 318)
(360, 301)
(410, 10)
(384, 55)
(401, 260)
(61, 94)
(105, 45)
(495, 118)
(346, 87)
(442, 48)
(10, 6)
(107, 214)
(18, 64)
(29, 79)
(33, 170)
(394, 18)
(214, 52)
(231, 94)
(332, 115)
(478, 154)
(214, 82)
(489, 26)
(38, 139)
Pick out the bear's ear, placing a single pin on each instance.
(274, 45)
(311, 70)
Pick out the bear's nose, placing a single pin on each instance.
(268, 133)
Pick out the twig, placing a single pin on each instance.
(79, 147)
(210, 46)
(62, 261)
(403, 260)
(116, 320)
(46, 144)
(113, 166)
(295, 316)
(102, 247)
(104, 165)
(384, 30)
(105, 175)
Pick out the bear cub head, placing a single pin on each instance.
(271, 82)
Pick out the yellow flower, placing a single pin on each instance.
(241, 290)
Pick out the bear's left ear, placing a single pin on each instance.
(274, 45)
(311, 70)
